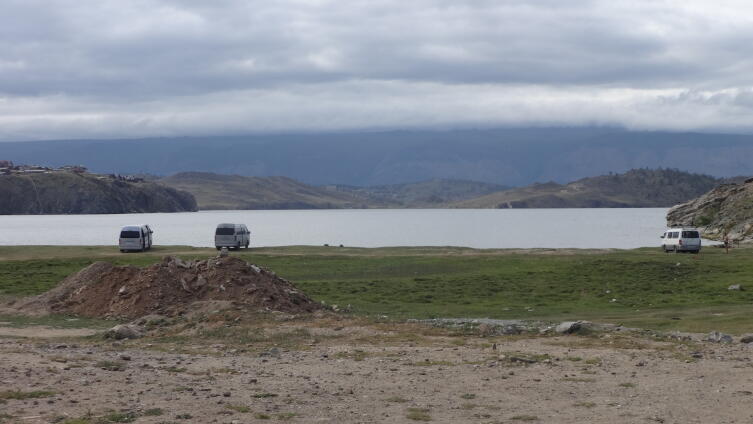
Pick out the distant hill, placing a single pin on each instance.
(69, 193)
(725, 210)
(635, 188)
(214, 191)
(508, 156)
(424, 194)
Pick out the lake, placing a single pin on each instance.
(479, 228)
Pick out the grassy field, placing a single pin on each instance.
(642, 287)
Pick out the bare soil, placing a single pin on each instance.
(346, 371)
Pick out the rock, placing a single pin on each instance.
(123, 331)
(568, 327)
(746, 339)
(223, 252)
(718, 337)
(125, 357)
(722, 212)
(736, 287)
(123, 291)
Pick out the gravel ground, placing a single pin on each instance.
(370, 375)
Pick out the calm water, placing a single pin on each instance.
(480, 228)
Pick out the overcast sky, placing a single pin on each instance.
(117, 68)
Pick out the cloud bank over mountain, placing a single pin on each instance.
(80, 69)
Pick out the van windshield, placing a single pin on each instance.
(129, 234)
(690, 234)
(225, 231)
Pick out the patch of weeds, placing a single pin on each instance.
(396, 399)
(468, 406)
(111, 365)
(4, 417)
(285, 416)
(428, 363)
(525, 358)
(593, 361)
(181, 389)
(19, 395)
(183, 417)
(154, 412)
(224, 370)
(579, 379)
(173, 368)
(418, 414)
(574, 358)
(627, 385)
(262, 416)
(468, 396)
(119, 417)
(265, 395)
(525, 418)
(356, 355)
(77, 421)
(239, 408)
(584, 404)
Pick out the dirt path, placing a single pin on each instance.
(45, 332)
(363, 379)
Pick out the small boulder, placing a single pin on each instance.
(735, 287)
(746, 339)
(123, 331)
(568, 327)
(717, 337)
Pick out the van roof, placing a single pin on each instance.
(135, 226)
(682, 228)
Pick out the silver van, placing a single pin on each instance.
(135, 237)
(233, 236)
(681, 239)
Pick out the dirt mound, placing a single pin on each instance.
(169, 288)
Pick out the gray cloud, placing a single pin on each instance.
(104, 68)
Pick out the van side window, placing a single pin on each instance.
(690, 234)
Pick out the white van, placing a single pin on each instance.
(232, 236)
(681, 239)
(135, 237)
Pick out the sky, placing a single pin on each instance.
(142, 68)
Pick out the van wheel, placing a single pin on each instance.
(675, 249)
(247, 245)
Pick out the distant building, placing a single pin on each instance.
(6, 164)
(78, 169)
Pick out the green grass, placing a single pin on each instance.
(641, 287)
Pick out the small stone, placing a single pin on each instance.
(123, 331)
(226, 394)
(718, 337)
(125, 357)
(746, 339)
(735, 287)
(568, 327)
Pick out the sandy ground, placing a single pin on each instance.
(367, 377)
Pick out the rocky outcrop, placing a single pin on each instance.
(725, 210)
(69, 193)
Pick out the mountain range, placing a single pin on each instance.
(635, 188)
(507, 156)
